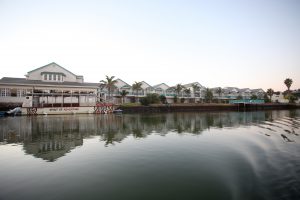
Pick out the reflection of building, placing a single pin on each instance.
(52, 148)
(52, 137)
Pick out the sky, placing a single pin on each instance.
(218, 43)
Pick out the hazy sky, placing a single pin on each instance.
(254, 43)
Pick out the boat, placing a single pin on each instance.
(118, 111)
(14, 112)
(37, 104)
(2, 113)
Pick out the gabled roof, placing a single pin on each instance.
(124, 84)
(171, 88)
(145, 85)
(52, 64)
(159, 85)
(245, 90)
(230, 88)
(257, 90)
(193, 83)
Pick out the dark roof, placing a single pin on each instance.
(24, 81)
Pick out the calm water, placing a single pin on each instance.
(227, 155)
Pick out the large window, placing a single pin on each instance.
(21, 93)
(45, 77)
(50, 77)
(5, 92)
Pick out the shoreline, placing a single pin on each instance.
(194, 107)
(157, 108)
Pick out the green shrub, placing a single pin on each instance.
(144, 101)
(163, 98)
(150, 99)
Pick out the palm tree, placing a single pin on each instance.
(137, 86)
(208, 95)
(219, 92)
(187, 91)
(270, 93)
(178, 88)
(123, 95)
(109, 83)
(196, 88)
(288, 82)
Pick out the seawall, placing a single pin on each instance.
(205, 107)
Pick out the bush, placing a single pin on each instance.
(149, 99)
(144, 101)
(267, 99)
(163, 98)
(254, 97)
(240, 97)
(292, 98)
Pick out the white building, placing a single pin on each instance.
(279, 98)
(51, 82)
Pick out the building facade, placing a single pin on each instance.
(51, 82)
(57, 85)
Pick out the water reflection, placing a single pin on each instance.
(226, 155)
(50, 137)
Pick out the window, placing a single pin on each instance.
(45, 77)
(58, 77)
(21, 93)
(50, 77)
(54, 77)
(5, 92)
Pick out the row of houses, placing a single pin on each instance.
(192, 92)
(53, 81)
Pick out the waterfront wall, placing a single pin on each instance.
(206, 107)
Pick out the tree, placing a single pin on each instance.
(266, 98)
(163, 99)
(219, 92)
(175, 98)
(288, 82)
(239, 97)
(254, 97)
(208, 95)
(179, 88)
(137, 86)
(123, 95)
(270, 93)
(187, 91)
(149, 99)
(109, 83)
(196, 88)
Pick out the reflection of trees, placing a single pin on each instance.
(50, 137)
(209, 119)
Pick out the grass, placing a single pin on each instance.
(130, 104)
